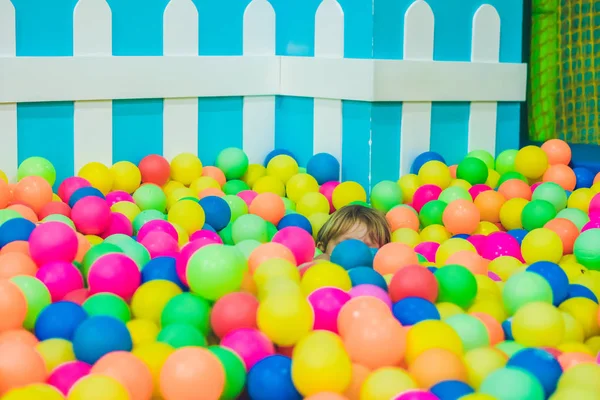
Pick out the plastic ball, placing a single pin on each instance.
(430, 334)
(432, 213)
(437, 365)
(298, 241)
(55, 352)
(512, 383)
(162, 268)
(531, 161)
(423, 158)
(114, 273)
(435, 172)
(536, 214)
(324, 167)
(59, 320)
(185, 168)
(472, 331)
(233, 311)
(556, 278)
(97, 386)
(451, 390)
(154, 169)
(540, 364)
(282, 167)
(538, 324)
(37, 166)
(524, 288)
(412, 310)
(60, 278)
(98, 175)
(461, 216)
(180, 335)
(326, 304)
(472, 170)
(151, 298)
(557, 151)
(65, 376)
(457, 285)
(53, 241)
(233, 162)
(425, 194)
(20, 365)
(187, 214)
(346, 193)
(150, 197)
(542, 245)
(189, 309)
(100, 335)
(585, 249)
(250, 344)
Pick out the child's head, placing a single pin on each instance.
(354, 222)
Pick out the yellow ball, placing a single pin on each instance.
(55, 197)
(581, 376)
(127, 208)
(278, 286)
(435, 173)
(447, 310)
(3, 176)
(580, 199)
(282, 167)
(142, 331)
(542, 245)
(531, 161)
(186, 168)
(504, 266)
(98, 175)
(36, 391)
(431, 334)
(573, 270)
(149, 299)
(98, 387)
(325, 274)
(450, 247)
(154, 355)
(460, 183)
(575, 347)
(182, 235)
(385, 383)
(317, 220)
(93, 239)
(188, 214)
(55, 352)
(409, 185)
(487, 286)
(253, 173)
(126, 176)
(269, 184)
(585, 311)
(574, 393)
(172, 185)
(275, 268)
(485, 228)
(510, 213)
(285, 318)
(573, 329)
(493, 178)
(490, 306)
(406, 236)
(435, 233)
(478, 396)
(178, 194)
(481, 362)
(594, 344)
(591, 280)
(312, 203)
(538, 325)
(300, 184)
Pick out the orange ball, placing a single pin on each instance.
(402, 217)
(18, 246)
(470, 260)
(25, 211)
(267, 251)
(5, 194)
(360, 309)
(214, 173)
(128, 370)
(562, 175)
(33, 191)
(393, 256)
(359, 374)
(211, 192)
(14, 264)
(515, 188)
(83, 245)
(566, 230)
(20, 365)
(558, 151)
(326, 396)
(461, 216)
(453, 169)
(268, 206)
(19, 336)
(13, 307)
(437, 365)
(493, 327)
(155, 169)
(192, 373)
(569, 360)
(489, 203)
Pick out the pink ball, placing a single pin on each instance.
(160, 244)
(535, 186)
(53, 241)
(299, 241)
(114, 273)
(594, 224)
(247, 196)
(78, 296)
(91, 215)
(425, 194)
(416, 395)
(326, 190)
(119, 224)
(478, 241)
(427, 250)
(117, 196)
(494, 276)
(327, 303)
(475, 190)
(69, 186)
(498, 244)
(157, 225)
(186, 253)
(595, 204)
(250, 344)
(371, 291)
(61, 278)
(65, 375)
(206, 234)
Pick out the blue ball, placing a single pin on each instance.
(324, 168)
(518, 234)
(297, 220)
(584, 177)
(411, 310)
(451, 390)
(540, 364)
(581, 291)
(59, 320)
(367, 276)
(555, 276)
(352, 253)
(100, 335)
(15, 229)
(271, 379)
(207, 227)
(162, 268)
(84, 192)
(461, 236)
(277, 152)
(423, 158)
(507, 328)
(432, 269)
(217, 211)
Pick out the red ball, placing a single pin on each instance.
(233, 311)
(413, 281)
(155, 169)
(55, 207)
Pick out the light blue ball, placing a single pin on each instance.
(98, 336)
(352, 253)
(324, 168)
(367, 276)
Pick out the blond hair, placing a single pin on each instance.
(347, 217)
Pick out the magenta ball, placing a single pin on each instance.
(157, 225)
(250, 344)
(69, 186)
(478, 241)
(61, 278)
(498, 244)
(91, 215)
(535, 186)
(427, 250)
(425, 194)
(476, 190)
(65, 375)
(371, 291)
(119, 224)
(53, 241)
(594, 224)
(494, 276)
(160, 244)
(595, 204)
(117, 196)
(299, 241)
(326, 190)
(247, 196)
(186, 253)
(114, 273)
(327, 303)
(206, 234)
(416, 395)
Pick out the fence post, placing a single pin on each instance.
(8, 112)
(329, 42)
(485, 48)
(180, 116)
(92, 36)
(258, 123)
(415, 136)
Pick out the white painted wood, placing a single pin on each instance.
(415, 135)
(486, 49)
(92, 36)
(259, 111)
(180, 115)
(329, 43)
(8, 111)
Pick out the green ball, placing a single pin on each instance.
(484, 156)
(505, 162)
(512, 383)
(235, 186)
(37, 166)
(147, 216)
(135, 250)
(271, 230)
(511, 175)
(233, 162)
(431, 213)
(247, 246)
(386, 195)
(421, 258)
(237, 205)
(59, 218)
(94, 253)
(181, 335)
(509, 347)
(289, 204)
(360, 203)
(7, 214)
(318, 252)
(472, 170)
(471, 331)
(187, 308)
(457, 285)
(452, 193)
(36, 295)
(552, 193)
(575, 215)
(235, 372)
(302, 170)
(214, 271)
(524, 288)
(587, 249)
(150, 197)
(247, 227)
(536, 214)
(107, 304)
(226, 234)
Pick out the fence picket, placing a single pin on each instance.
(8, 112)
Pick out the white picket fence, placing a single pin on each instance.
(93, 77)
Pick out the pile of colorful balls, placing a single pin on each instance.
(180, 281)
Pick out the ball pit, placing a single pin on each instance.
(152, 280)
